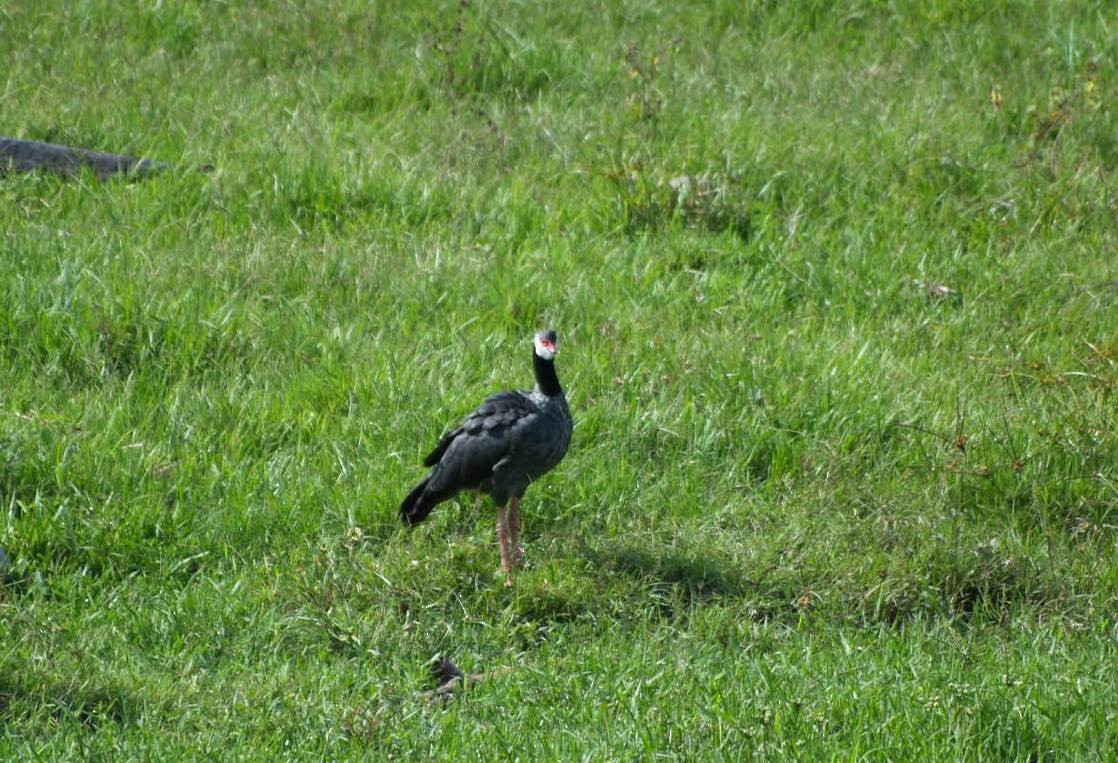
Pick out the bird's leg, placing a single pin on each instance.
(514, 533)
(503, 542)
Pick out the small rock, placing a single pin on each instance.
(940, 291)
(680, 184)
(445, 672)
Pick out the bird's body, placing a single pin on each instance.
(508, 442)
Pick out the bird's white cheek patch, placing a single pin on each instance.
(543, 352)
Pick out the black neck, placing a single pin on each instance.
(547, 381)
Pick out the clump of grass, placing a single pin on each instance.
(474, 53)
(709, 201)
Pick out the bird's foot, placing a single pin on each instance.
(506, 571)
(518, 558)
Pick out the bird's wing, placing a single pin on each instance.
(483, 439)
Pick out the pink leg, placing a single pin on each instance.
(514, 533)
(503, 542)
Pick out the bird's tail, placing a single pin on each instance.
(418, 504)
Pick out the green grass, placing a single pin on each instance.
(813, 508)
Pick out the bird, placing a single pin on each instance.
(508, 442)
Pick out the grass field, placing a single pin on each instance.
(835, 283)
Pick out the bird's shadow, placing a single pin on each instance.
(92, 706)
(697, 578)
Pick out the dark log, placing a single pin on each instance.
(28, 155)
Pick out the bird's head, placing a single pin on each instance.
(547, 344)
